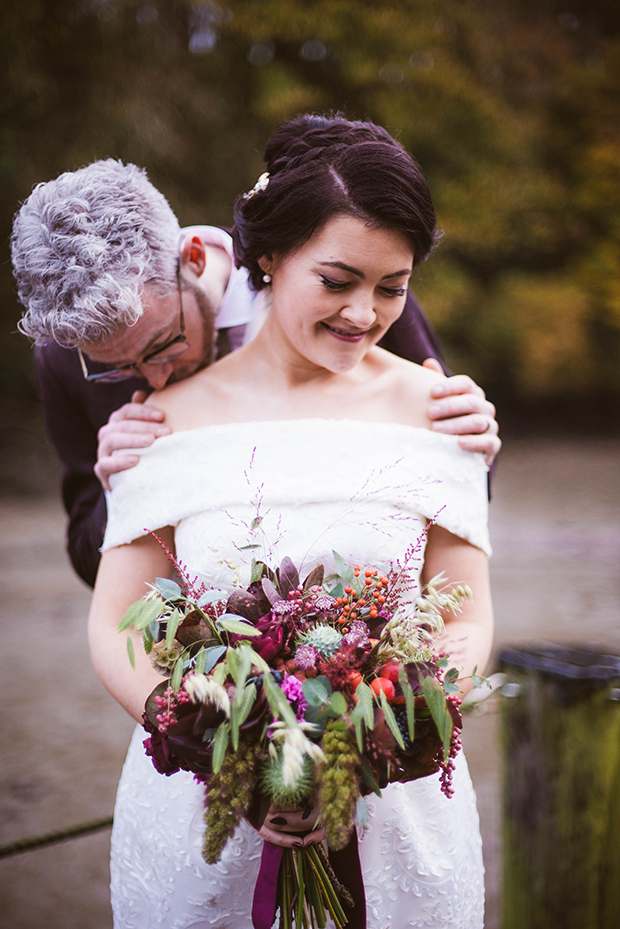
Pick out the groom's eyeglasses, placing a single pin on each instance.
(167, 352)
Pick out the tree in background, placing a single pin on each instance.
(512, 110)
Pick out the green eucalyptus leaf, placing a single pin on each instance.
(361, 812)
(315, 693)
(337, 705)
(213, 596)
(212, 656)
(169, 589)
(337, 591)
(325, 681)
(343, 568)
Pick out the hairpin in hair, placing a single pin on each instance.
(261, 184)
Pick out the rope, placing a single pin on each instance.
(51, 838)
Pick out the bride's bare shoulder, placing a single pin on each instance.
(409, 388)
(198, 400)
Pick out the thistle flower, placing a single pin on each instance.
(203, 689)
(282, 607)
(324, 639)
(305, 656)
(272, 780)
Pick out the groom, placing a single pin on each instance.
(120, 301)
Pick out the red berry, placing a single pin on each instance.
(390, 671)
(382, 684)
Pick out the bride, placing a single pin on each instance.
(324, 437)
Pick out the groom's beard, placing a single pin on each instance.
(207, 317)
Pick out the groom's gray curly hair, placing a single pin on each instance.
(84, 245)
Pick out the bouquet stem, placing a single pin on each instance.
(307, 891)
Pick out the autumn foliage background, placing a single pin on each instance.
(512, 107)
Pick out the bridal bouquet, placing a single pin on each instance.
(304, 693)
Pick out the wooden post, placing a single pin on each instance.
(561, 788)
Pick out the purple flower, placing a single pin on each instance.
(293, 690)
(305, 656)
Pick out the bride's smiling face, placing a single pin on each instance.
(336, 296)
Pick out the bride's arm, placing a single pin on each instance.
(468, 635)
(121, 579)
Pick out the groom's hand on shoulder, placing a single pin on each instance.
(134, 425)
(459, 407)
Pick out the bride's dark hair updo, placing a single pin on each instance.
(320, 166)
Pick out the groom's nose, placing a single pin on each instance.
(156, 375)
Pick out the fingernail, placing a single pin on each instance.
(438, 390)
(155, 414)
(306, 812)
(162, 430)
(298, 844)
(434, 409)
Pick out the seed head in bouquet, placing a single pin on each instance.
(300, 693)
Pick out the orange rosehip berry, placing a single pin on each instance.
(348, 590)
(346, 608)
(380, 599)
(373, 614)
(384, 581)
(355, 679)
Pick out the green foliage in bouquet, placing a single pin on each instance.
(338, 784)
(301, 693)
(229, 796)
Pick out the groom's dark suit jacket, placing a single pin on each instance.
(75, 410)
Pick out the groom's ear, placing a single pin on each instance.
(193, 254)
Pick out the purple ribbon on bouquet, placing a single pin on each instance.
(346, 867)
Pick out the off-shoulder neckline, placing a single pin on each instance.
(317, 420)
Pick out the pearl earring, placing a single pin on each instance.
(267, 278)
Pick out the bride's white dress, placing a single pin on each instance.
(362, 489)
